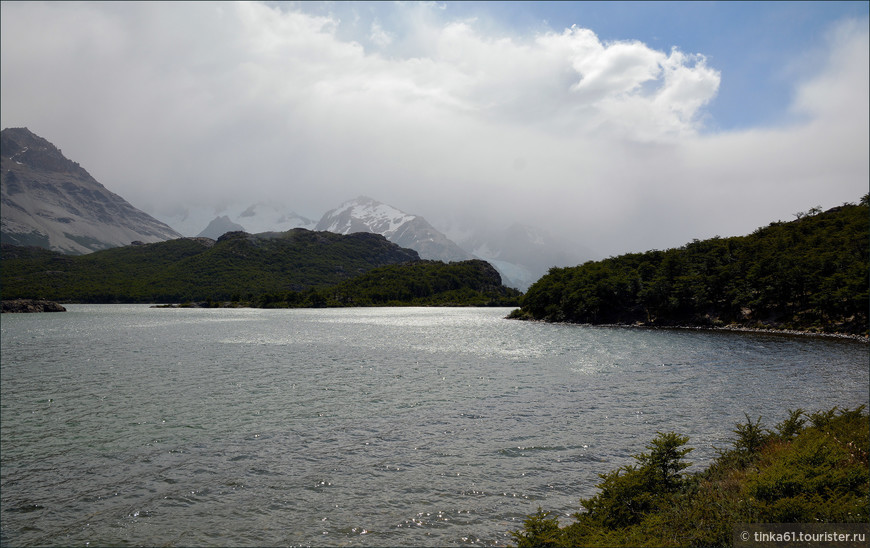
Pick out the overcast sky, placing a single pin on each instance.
(622, 126)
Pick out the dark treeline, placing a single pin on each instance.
(421, 283)
(807, 274)
(298, 268)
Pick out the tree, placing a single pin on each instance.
(664, 462)
(538, 530)
(630, 492)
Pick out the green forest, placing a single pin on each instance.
(291, 269)
(808, 274)
(421, 283)
(812, 468)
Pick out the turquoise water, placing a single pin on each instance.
(403, 427)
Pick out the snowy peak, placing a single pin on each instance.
(271, 217)
(364, 215)
(255, 218)
(411, 231)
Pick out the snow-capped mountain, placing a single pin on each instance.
(271, 217)
(411, 231)
(255, 218)
(52, 202)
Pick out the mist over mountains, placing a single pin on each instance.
(50, 201)
(521, 253)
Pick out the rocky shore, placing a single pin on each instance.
(518, 315)
(31, 305)
(774, 331)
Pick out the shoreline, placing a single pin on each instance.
(729, 328)
(25, 306)
(766, 330)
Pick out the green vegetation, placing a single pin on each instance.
(294, 268)
(421, 283)
(809, 274)
(803, 472)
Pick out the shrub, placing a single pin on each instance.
(808, 471)
(539, 530)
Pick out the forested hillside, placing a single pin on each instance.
(298, 268)
(236, 266)
(421, 283)
(807, 274)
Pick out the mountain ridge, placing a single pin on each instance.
(363, 214)
(53, 202)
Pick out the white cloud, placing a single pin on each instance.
(379, 36)
(209, 103)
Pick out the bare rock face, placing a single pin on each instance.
(51, 202)
(31, 305)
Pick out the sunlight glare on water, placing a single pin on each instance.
(403, 427)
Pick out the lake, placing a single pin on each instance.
(124, 424)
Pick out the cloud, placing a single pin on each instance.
(379, 36)
(211, 103)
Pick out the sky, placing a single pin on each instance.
(616, 126)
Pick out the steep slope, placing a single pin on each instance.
(412, 231)
(237, 265)
(52, 202)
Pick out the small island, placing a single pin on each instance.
(31, 305)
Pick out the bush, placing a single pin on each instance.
(808, 471)
(539, 530)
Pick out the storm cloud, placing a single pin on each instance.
(606, 143)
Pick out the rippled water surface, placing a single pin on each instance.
(403, 427)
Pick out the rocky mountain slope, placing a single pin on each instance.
(412, 231)
(52, 202)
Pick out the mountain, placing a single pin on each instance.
(411, 231)
(52, 202)
(220, 226)
(809, 274)
(522, 253)
(297, 268)
(236, 265)
(272, 217)
(259, 217)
